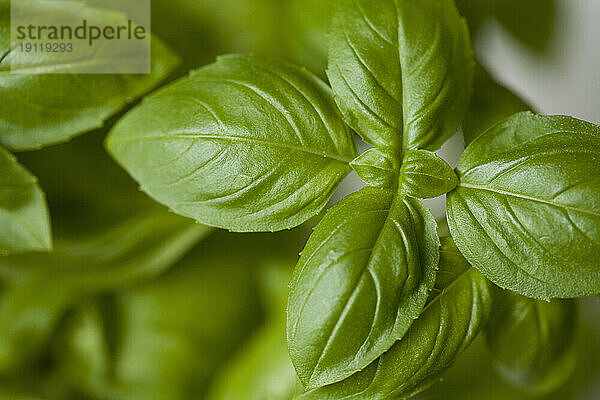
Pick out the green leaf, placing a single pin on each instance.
(527, 212)
(40, 109)
(24, 219)
(377, 167)
(490, 104)
(424, 175)
(361, 280)
(532, 341)
(243, 144)
(457, 309)
(39, 287)
(165, 339)
(400, 67)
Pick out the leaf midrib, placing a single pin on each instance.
(526, 197)
(196, 135)
(366, 268)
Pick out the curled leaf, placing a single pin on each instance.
(424, 175)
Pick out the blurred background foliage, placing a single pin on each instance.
(136, 303)
(531, 22)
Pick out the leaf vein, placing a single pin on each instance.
(187, 134)
(525, 197)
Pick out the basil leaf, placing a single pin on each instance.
(166, 338)
(361, 280)
(242, 144)
(532, 341)
(490, 104)
(400, 67)
(39, 287)
(377, 167)
(424, 175)
(527, 212)
(455, 313)
(39, 109)
(24, 219)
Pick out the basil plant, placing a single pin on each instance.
(379, 305)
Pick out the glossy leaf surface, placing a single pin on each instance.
(456, 311)
(527, 210)
(401, 70)
(377, 167)
(362, 279)
(243, 144)
(424, 175)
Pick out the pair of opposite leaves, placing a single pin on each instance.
(248, 145)
(531, 341)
